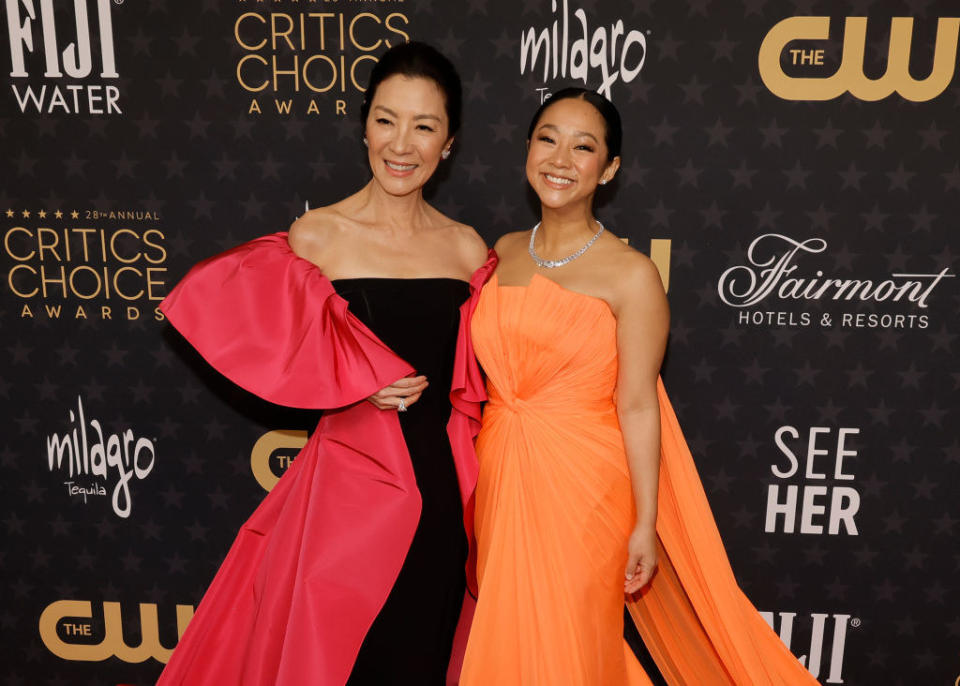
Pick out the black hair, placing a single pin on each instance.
(613, 129)
(418, 60)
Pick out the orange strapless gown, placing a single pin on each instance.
(554, 509)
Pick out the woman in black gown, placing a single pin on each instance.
(404, 269)
(412, 636)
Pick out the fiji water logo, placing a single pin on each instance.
(828, 640)
(70, 47)
(96, 462)
(569, 49)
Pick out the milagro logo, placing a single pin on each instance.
(819, 625)
(849, 75)
(568, 49)
(94, 461)
(772, 274)
(68, 53)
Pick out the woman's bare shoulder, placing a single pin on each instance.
(511, 241)
(469, 244)
(638, 283)
(314, 229)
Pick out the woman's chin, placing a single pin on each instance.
(557, 201)
(400, 186)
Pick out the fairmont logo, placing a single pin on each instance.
(91, 459)
(569, 49)
(770, 268)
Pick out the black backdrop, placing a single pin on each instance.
(821, 414)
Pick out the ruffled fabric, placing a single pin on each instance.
(314, 564)
(273, 324)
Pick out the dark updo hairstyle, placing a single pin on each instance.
(613, 133)
(418, 60)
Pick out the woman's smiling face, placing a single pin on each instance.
(406, 132)
(567, 154)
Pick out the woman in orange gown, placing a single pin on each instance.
(585, 483)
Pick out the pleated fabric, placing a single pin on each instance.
(554, 510)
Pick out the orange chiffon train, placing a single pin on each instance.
(554, 509)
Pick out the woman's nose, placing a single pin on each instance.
(401, 143)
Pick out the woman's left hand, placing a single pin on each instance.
(641, 558)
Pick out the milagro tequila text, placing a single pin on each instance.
(569, 49)
(86, 451)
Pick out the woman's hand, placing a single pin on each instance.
(641, 558)
(408, 388)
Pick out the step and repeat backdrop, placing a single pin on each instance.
(792, 167)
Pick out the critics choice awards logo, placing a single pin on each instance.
(62, 56)
(773, 276)
(94, 463)
(72, 630)
(85, 265)
(572, 46)
(299, 60)
(822, 80)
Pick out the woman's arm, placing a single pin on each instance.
(643, 319)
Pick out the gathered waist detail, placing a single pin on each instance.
(555, 404)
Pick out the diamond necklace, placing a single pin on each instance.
(551, 264)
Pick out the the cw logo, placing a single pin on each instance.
(279, 447)
(849, 76)
(73, 618)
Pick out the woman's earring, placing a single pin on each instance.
(365, 141)
(603, 182)
(445, 154)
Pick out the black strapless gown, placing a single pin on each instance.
(411, 639)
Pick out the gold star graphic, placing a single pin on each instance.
(42, 214)
(58, 214)
(25, 213)
(74, 214)
(10, 213)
